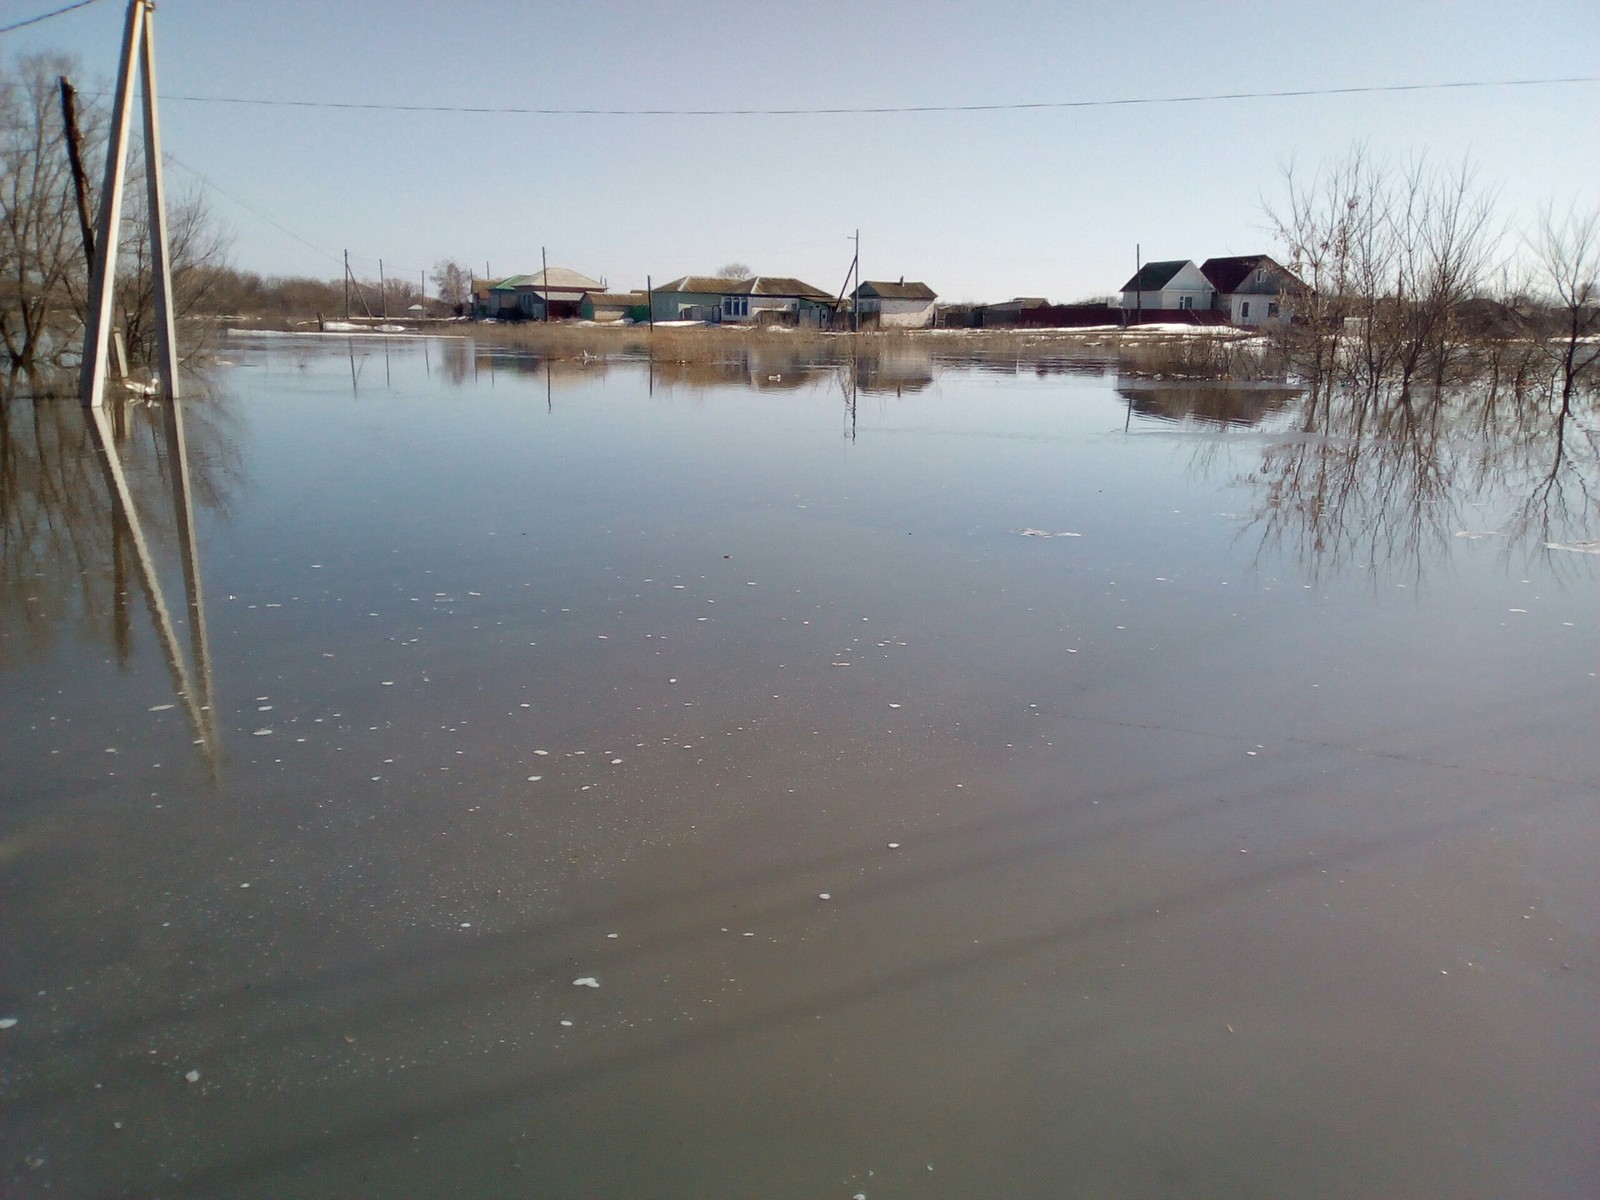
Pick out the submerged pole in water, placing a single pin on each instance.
(138, 57)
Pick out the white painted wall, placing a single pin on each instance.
(1188, 284)
(899, 314)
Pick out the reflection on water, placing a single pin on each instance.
(1207, 403)
(93, 500)
(1373, 481)
(907, 851)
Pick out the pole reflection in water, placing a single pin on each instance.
(191, 676)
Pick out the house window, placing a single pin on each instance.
(1185, 301)
(1272, 309)
(1244, 310)
(736, 306)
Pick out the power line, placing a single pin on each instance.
(1121, 102)
(45, 16)
(253, 211)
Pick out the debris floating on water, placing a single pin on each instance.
(586, 981)
(192, 1076)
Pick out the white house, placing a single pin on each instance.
(899, 305)
(760, 299)
(1168, 285)
(1252, 289)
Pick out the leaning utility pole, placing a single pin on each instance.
(80, 184)
(138, 56)
(383, 292)
(347, 285)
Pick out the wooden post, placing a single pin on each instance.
(650, 295)
(544, 265)
(69, 120)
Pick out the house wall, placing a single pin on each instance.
(1187, 289)
(1258, 304)
(1170, 297)
(669, 306)
(899, 314)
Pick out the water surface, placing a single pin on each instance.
(957, 780)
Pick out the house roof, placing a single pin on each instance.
(1154, 276)
(759, 285)
(627, 298)
(897, 291)
(1230, 274)
(511, 283)
(560, 280)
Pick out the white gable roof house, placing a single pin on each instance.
(1253, 289)
(1176, 284)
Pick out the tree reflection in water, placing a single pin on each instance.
(1385, 478)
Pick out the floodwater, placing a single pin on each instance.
(446, 773)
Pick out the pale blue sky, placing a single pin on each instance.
(980, 205)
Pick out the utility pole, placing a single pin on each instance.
(650, 297)
(1138, 289)
(383, 292)
(80, 185)
(855, 309)
(347, 285)
(138, 55)
(544, 264)
(69, 120)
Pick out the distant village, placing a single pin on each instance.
(1245, 291)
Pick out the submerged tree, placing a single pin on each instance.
(1390, 256)
(1568, 265)
(43, 268)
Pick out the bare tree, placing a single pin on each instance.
(453, 283)
(43, 270)
(196, 245)
(1568, 263)
(1390, 256)
(42, 266)
(735, 270)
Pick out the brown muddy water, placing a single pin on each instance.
(787, 779)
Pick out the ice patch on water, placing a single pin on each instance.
(586, 981)
(1590, 547)
(1044, 533)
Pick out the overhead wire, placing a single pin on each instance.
(879, 110)
(16, 25)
